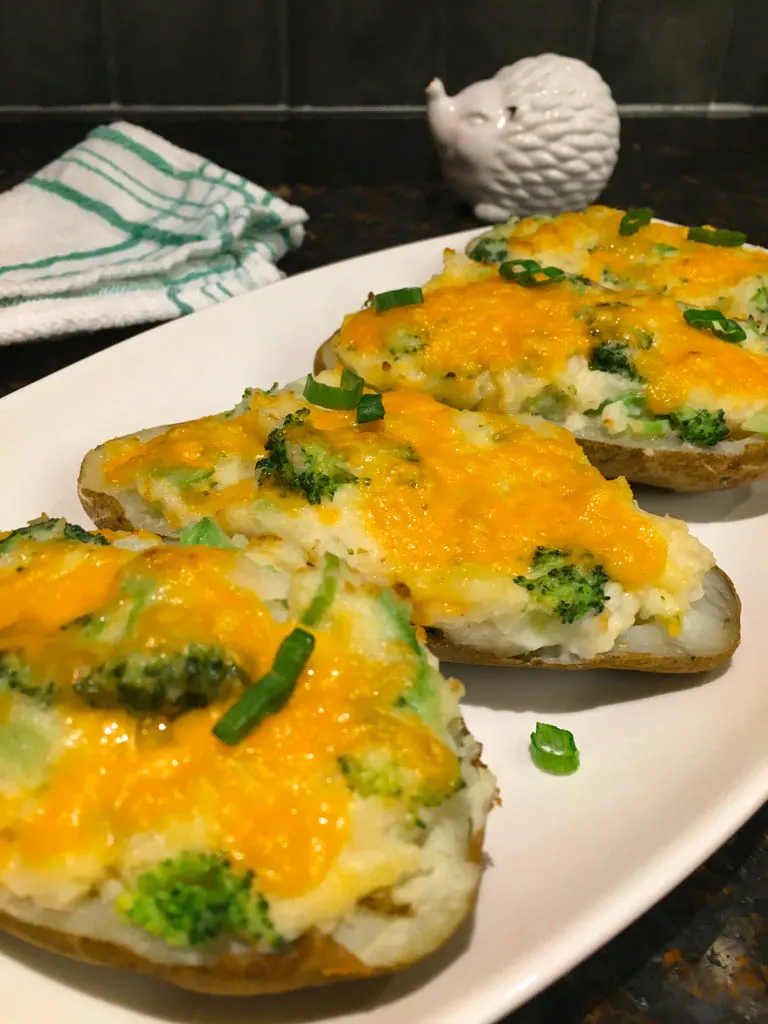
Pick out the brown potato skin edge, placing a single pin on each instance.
(632, 661)
(105, 511)
(683, 471)
(679, 470)
(314, 959)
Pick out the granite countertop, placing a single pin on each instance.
(700, 956)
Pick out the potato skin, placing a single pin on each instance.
(314, 959)
(625, 660)
(683, 470)
(105, 511)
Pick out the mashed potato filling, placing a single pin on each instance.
(657, 258)
(95, 789)
(451, 506)
(562, 349)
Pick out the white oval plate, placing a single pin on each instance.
(670, 768)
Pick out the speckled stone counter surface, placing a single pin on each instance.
(701, 955)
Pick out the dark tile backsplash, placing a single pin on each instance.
(483, 37)
(745, 79)
(283, 54)
(52, 53)
(365, 52)
(196, 52)
(662, 51)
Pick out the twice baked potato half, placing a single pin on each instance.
(224, 767)
(628, 249)
(663, 395)
(510, 545)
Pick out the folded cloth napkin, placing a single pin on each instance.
(125, 228)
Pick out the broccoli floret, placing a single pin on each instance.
(663, 250)
(549, 403)
(192, 899)
(489, 249)
(404, 342)
(561, 588)
(16, 675)
(50, 529)
(165, 684)
(242, 406)
(378, 773)
(760, 300)
(700, 426)
(307, 467)
(612, 357)
(610, 280)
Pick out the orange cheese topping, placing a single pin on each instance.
(494, 325)
(488, 324)
(683, 360)
(492, 506)
(484, 504)
(696, 274)
(277, 802)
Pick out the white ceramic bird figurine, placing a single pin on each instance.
(541, 136)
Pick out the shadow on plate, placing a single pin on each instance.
(551, 692)
(709, 507)
(163, 1002)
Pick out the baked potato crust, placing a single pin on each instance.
(621, 659)
(312, 960)
(682, 470)
(679, 470)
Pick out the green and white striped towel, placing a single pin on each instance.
(126, 228)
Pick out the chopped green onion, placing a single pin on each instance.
(326, 592)
(758, 422)
(635, 219)
(399, 297)
(554, 750)
(270, 693)
(398, 615)
(370, 408)
(716, 236)
(328, 397)
(182, 476)
(205, 531)
(529, 273)
(715, 321)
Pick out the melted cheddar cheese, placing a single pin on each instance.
(277, 803)
(658, 258)
(436, 489)
(479, 323)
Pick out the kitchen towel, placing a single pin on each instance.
(127, 228)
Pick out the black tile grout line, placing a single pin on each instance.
(718, 78)
(594, 14)
(443, 34)
(404, 111)
(284, 47)
(109, 51)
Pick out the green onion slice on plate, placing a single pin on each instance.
(328, 397)
(370, 408)
(554, 750)
(398, 297)
(270, 693)
(716, 236)
(635, 219)
(716, 322)
(530, 273)
(326, 592)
